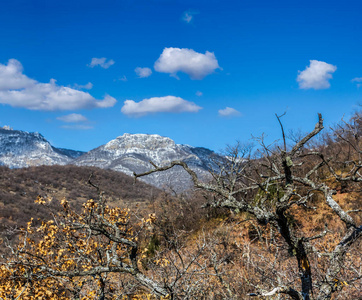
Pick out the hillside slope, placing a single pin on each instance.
(20, 187)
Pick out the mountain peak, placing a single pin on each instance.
(144, 136)
(131, 153)
(140, 141)
(20, 149)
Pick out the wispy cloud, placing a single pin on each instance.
(73, 118)
(169, 104)
(194, 64)
(188, 16)
(229, 112)
(77, 127)
(87, 86)
(199, 94)
(358, 81)
(316, 75)
(102, 62)
(18, 90)
(123, 78)
(143, 72)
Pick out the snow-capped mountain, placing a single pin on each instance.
(127, 153)
(20, 149)
(133, 152)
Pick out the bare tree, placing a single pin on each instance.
(279, 186)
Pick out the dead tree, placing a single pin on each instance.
(279, 179)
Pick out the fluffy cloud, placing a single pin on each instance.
(158, 104)
(17, 90)
(12, 77)
(143, 72)
(196, 65)
(102, 62)
(316, 75)
(229, 112)
(73, 118)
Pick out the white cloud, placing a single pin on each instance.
(198, 93)
(188, 16)
(158, 104)
(73, 118)
(123, 78)
(143, 72)
(102, 62)
(358, 80)
(17, 90)
(77, 127)
(12, 77)
(108, 101)
(229, 112)
(196, 65)
(316, 75)
(87, 86)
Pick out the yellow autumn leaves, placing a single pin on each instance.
(51, 261)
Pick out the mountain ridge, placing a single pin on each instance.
(130, 153)
(19, 149)
(126, 153)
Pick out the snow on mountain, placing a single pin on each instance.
(133, 152)
(20, 149)
(127, 153)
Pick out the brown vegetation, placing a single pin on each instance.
(20, 187)
(283, 222)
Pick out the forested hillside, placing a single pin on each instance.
(20, 187)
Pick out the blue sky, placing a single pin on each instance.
(204, 73)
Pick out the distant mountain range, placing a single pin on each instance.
(127, 153)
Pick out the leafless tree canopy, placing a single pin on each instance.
(270, 186)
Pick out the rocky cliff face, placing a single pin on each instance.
(127, 153)
(20, 149)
